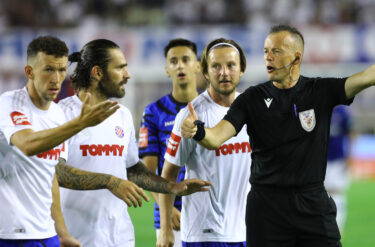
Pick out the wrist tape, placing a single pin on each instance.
(201, 132)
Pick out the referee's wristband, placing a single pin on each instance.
(201, 132)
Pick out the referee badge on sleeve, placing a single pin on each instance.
(307, 119)
(174, 142)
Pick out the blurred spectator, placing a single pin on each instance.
(365, 11)
(10, 80)
(304, 12)
(66, 13)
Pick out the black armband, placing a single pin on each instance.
(201, 132)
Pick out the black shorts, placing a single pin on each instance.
(303, 217)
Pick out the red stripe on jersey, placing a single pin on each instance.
(173, 143)
(19, 118)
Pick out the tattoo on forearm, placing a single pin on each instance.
(144, 178)
(76, 179)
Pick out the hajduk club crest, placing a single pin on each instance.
(307, 119)
(119, 131)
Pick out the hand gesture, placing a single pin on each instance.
(165, 238)
(127, 191)
(92, 115)
(188, 128)
(190, 186)
(69, 241)
(176, 216)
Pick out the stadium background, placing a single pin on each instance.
(339, 37)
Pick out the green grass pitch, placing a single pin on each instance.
(359, 229)
(360, 225)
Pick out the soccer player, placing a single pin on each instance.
(97, 218)
(288, 122)
(158, 118)
(216, 218)
(32, 138)
(337, 176)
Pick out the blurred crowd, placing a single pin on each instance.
(251, 14)
(71, 13)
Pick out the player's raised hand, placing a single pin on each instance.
(127, 191)
(190, 186)
(165, 238)
(92, 115)
(188, 128)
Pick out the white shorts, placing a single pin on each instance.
(337, 176)
(177, 237)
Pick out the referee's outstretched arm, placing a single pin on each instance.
(360, 81)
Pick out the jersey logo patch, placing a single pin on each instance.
(307, 119)
(119, 131)
(52, 153)
(268, 102)
(102, 150)
(19, 118)
(143, 137)
(19, 230)
(168, 123)
(174, 142)
(232, 148)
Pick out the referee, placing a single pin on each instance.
(288, 122)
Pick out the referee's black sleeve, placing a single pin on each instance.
(237, 113)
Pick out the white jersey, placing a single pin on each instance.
(97, 217)
(217, 215)
(26, 181)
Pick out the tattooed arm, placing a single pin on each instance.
(76, 179)
(143, 177)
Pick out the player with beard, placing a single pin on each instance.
(216, 218)
(97, 218)
(33, 134)
(158, 118)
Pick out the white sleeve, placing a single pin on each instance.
(13, 120)
(132, 155)
(179, 148)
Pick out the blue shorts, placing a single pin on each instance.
(47, 242)
(213, 244)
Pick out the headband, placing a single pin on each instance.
(223, 44)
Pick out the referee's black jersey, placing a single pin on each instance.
(288, 129)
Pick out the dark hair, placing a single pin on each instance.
(287, 28)
(180, 42)
(94, 53)
(207, 49)
(49, 45)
